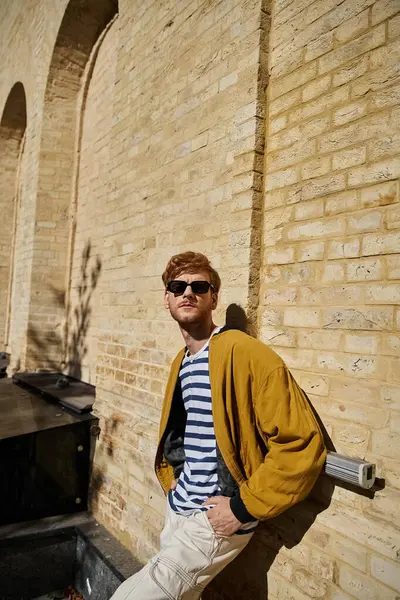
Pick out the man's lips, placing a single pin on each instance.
(187, 305)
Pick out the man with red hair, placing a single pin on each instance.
(238, 441)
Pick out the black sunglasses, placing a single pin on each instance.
(176, 286)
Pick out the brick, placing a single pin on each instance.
(277, 337)
(387, 146)
(275, 199)
(385, 507)
(301, 317)
(366, 344)
(316, 229)
(309, 210)
(341, 203)
(395, 369)
(284, 102)
(293, 80)
(323, 186)
(362, 587)
(280, 297)
(228, 81)
(311, 383)
(380, 243)
(319, 46)
(319, 105)
(313, 587)
(381, 293)
(354, 410)
(290, 156)
(365, 269)
(271, 317)
(298, 273)
(352, 70)
(352, 440)
(379, 195)
(280, 257)
(393, 267)
(345, 389)
(316, 87)
(281, 179)
(296, 359)
(319, 340)
(333, 272)
(352, 27)
(349, 552)
(383, 98)
(366, 42)
(385, 571)
(317, 19)
(386, 444)
(300, 132)
(353, 111)
(285, 590)
(358, 318)
(377, 80)
(349, 158)
(355, 365)
(369, 221)
(311, 251)
(391, 345)
(390, 471)
(278, 124)
(363, 530)
(316, 168)
(199, 142)
(382, 9)
(394, 27)
(369, 127)
(393, 217)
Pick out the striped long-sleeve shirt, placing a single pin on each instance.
(198, 480)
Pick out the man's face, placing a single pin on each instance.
(189, 307)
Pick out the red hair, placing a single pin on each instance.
(190, 262)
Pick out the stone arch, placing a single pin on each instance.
(81, 28)
(12, 131)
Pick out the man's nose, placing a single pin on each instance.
(188, 292)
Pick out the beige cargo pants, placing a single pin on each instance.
(191, 555)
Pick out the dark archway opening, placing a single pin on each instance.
(12, 131)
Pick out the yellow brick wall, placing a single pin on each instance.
(182, 175)
(91, 206)
(163, 135)
(329, 280)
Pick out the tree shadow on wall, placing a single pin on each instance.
(49, 349)
(77, 348)
(246, 576)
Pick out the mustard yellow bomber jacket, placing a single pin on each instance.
(264, 426)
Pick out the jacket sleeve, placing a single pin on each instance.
(296, 451)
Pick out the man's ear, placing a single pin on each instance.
(166, 300)
(214, 301)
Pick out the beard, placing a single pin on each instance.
(189, 317)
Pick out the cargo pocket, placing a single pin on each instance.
(177, 568)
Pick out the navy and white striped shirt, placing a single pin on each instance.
(198, 480)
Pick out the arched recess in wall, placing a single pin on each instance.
(12, 131)
(79, 38)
